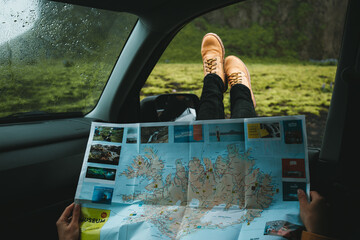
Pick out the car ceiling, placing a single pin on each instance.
(159, 15)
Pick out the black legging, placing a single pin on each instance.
(211, 100)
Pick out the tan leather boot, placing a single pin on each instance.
(213, 53)
(237, 73)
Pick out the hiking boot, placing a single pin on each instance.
(213, 53)
(237, 73)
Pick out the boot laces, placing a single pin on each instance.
(236, 78)
(210, 65)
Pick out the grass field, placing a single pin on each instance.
(280, 89)
(50, 86)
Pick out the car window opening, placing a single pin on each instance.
(292, 61)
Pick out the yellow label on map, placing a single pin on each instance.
(91, 222)
(255, 130)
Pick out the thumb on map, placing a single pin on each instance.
(303, 201)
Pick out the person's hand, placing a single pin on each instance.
(314, 214)
(68, 225)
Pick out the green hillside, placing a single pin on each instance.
(250, 43)
(285, 30)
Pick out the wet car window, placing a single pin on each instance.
(57, 57)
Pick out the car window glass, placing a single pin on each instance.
(290, 48)
(57, 57)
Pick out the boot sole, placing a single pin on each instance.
(219, 39)
(252, 94)
(223, 53)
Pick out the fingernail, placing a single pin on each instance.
(300, 192)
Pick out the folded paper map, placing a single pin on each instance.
(215, 179)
